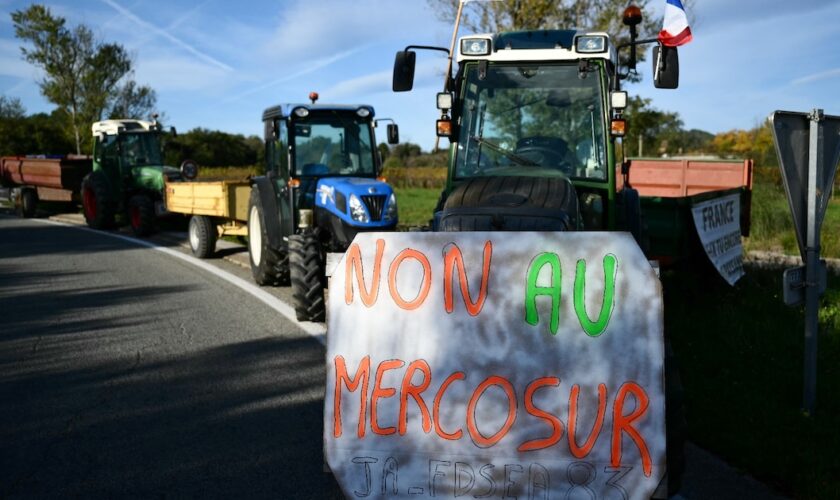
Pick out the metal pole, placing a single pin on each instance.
(451, 51)
(812, 253)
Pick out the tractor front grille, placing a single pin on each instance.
(375, 204)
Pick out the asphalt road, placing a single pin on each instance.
(126, 372)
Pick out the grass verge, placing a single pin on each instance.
(741, 360)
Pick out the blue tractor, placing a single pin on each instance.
(320, 188)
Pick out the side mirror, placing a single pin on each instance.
(189, 169)
(666, 67)
(404, 71)
(393, 133)
(103, 137)
(173, 131)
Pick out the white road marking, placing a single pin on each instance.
(316, 330)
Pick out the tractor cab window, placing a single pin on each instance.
(140, 149)
(106, 150)
(532, 119)
(333, 143)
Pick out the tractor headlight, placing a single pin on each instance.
(475, 46)
(591, 44)
(358, 212)
(391, 209)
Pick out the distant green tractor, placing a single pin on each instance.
(128, 175)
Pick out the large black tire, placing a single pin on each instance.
(28, 203)
(269, 266)
(203, 234)
(98, 207)
(511, 203)
(306, 265)
(141, 215)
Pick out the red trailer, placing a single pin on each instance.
(25, 180)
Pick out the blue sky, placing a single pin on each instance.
(217, 64)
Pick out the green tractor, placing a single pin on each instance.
(128, 175)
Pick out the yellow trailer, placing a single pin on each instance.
(218, 208)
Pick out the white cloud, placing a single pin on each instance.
(314, 29)
(12, 63)
(426, 72)
(180, 73)
(168, 36)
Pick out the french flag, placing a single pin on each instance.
(675, 30)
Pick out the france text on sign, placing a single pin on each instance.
(522, 365)
(791, 132)
(718, 224)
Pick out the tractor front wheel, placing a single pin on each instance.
(306, 266)
(141, 215)
(269, 266)
(203, 236)
(99, 210)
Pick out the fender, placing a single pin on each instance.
(270, 210)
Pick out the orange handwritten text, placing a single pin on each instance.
(462, 406)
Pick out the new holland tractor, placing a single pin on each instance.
(128, 175)
(532, 118)
(321, 187)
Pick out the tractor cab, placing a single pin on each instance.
(130, 154)
(324, 160)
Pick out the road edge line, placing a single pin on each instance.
(315, 330)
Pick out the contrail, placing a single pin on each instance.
(311, 68)
(816, 76)
(149, 26)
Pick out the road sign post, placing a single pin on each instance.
(808, 147)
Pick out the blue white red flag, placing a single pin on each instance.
(675, 30)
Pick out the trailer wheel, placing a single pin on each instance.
(306, 266)
(99, 210)
(141, 215)
(269, 266)
(202, 232)
(28, 203)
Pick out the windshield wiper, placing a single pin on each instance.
(510, 155)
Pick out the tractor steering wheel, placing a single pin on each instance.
(547, 152)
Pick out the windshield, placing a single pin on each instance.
(332, 143)
(532, 119)
(141, 149)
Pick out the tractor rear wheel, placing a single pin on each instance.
(306, 267)
(141, 215)
(202, 232)
(269, 266)
(98, 208)
(28, 203)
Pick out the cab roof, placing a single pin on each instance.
(538, 45)
(114, 127)
(284, 110)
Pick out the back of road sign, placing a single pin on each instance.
(793, 140)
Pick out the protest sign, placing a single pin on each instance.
(480, 365)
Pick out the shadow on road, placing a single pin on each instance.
(226, 421)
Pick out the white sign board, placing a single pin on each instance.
(718, 223)
(483, 365)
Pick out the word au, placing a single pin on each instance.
(454, 270)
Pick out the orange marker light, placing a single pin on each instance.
(294, 183)
(444, 128)
(618, 127)
(632, 15)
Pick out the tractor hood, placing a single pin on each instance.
(153, 177)
(358, 201)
